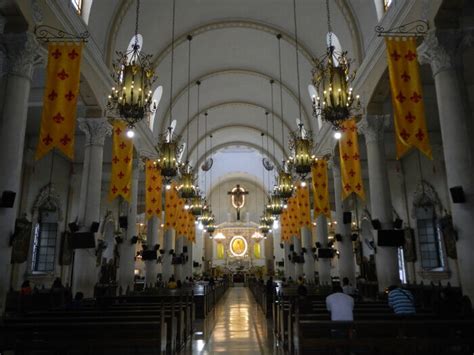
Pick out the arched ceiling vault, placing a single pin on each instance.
(253, 132)
(163, 123)
(277, 117)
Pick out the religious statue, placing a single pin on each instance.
(238, 198)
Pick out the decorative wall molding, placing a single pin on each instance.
(426, 195)
(47, 198)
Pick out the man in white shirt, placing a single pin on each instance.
(340, 305)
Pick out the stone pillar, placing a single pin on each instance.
(21, 53)
(126, 272)
(188, 266)
(324, 264)
(151, 267)
(85, 269)
(298, 266)
(168, 244)
(456, 144)
(307, 242)
(208, 251)
(346, 262)
(178, 269)
(386, 258)
(289, 266)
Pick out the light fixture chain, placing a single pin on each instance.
(172, 61)
(329, 23)
(136, 23)
(189, 96)
(281, 96)
(297, 61)
(273, 118)
(198, 83)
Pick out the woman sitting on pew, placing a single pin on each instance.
(172, 283)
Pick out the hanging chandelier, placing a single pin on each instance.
(169, 150)
(301, 144)
(211, 227)
(332, 79)
(196, 206)
(284, 188)
(206, 215)
(133, 74)
(275, 204)
(267, 218)
(264, 228)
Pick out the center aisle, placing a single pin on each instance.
(237, 325)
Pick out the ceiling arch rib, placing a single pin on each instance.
(254, 132)
(277, 117)
(164, 119)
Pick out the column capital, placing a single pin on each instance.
(373, 127)
(96, 129)
(22, 53)
(438, 49)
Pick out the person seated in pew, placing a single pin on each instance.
(347, 287)
(77, 301)
(401, 301)
(172, 283)
(26, 289)
(340, 305)
(179, 284)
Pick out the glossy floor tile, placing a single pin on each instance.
(235, 326)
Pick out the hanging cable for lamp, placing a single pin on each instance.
(297, 60)
(189, 96)
(172, 62)
(281, 96)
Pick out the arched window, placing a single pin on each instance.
(44, 241)
(429, 238)
(156, 98)
(331, 39)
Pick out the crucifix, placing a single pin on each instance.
(238, 198)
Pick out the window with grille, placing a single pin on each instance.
(77, 5)
(44, 242)
(429, 238)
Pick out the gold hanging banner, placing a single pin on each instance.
(181, 219)
(302, 197)
(171, 207)
(191, 228)
(122, 160)
(58, 118)
(153, 190)
(319, 173)
(407, 97)
(294, 217)
(285, 226)
(351, 174)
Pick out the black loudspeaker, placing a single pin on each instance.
(177, 260)
(134, 240)
(149, 255)
(354, 236)
(94, 227)
(318, 245)
(282, 245)
(73, 227)
(303, 250)
(376, 224)
(398, 223)
(457, 194)
(195, 264)
(347, 217)
(156, 247)
(281, 263)
(83, 240)
(8, 199)
(185, 249)
(123, 222)
(390, 238)
(325, 253)
(338, 237)
(292, 247)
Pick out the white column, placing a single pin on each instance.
(168, 244)
(346, 262)
(308, 266)
(85, 269)
(208, 252)
(269, 253)
(151, 267)
(324, 264)
(456, 146)
(289, 267)
(21, 51)
(127, 249)
(178, 269)
(298, 266)
(386, 258)
(188, 266)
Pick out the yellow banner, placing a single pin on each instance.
(319, 173)
(181, 219)
(351, 175)
(294, 217)
(58, 119)
(285, 226)
(407, 97)
(171, 207)
(153, 190)
(122, 160)
(191, 228)
(302, 197)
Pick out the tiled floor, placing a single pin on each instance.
(236, 326)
